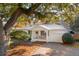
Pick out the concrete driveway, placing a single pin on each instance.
(63, 50)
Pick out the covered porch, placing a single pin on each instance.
(39, 35)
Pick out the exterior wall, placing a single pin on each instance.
(51, 35)
(56, 36)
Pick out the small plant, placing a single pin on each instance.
(67, 38)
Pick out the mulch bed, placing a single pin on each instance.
(24, 49)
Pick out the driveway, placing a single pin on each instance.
(63, 50)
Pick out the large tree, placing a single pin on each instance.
(3, 30)
(46, 13)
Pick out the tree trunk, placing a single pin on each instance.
(10, 23)
(13, 19)
(2, 40)
(17, 13)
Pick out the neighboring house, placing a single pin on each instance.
(46, 32)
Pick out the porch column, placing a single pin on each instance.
(39, 33)
(46, 35)
(32, 36)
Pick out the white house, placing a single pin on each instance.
(46, 32)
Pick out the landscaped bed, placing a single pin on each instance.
(28, 50)
(23, 49)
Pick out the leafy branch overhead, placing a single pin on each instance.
(17, 13)
(46, 13)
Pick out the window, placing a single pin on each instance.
(36, 32)
(43, 34)
(37, 35)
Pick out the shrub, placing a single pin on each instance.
(19, 35)
(67, 38)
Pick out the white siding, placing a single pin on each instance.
(56, 36)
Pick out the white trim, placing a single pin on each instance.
(47, 37)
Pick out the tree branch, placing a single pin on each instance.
(17, 13)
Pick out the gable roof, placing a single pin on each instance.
(52, 26)
(45, 26)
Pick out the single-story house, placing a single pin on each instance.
(46, 32)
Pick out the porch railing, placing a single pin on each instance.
(40, 37)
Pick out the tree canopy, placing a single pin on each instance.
(46, 13)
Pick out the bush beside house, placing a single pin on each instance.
(67, 38)
(19, 36)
